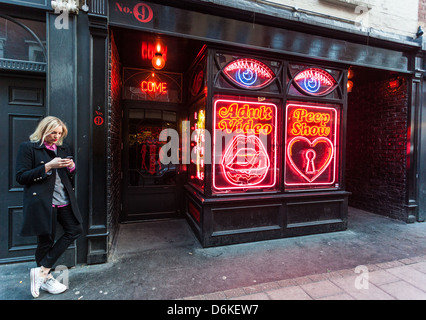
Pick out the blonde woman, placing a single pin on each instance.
(45, 167)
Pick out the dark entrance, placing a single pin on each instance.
(22, 105)
(149, 101)
(149, 186)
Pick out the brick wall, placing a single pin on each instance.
(376, 146)
(114, 139)
(422, 13)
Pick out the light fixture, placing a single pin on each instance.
(158, 61)
(350, 85)
(395, 83)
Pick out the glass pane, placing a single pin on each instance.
(198, 143)
(153, 114)
(245, 146)
(17, 43)
(137, 114)
(312, 145)
(145, 167)
(169, 116)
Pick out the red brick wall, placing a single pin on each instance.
(377, 146)
(114, 138)
(422, 11)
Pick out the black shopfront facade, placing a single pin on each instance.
(271, 141)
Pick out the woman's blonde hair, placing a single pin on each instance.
(45, 127)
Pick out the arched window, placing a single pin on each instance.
(22, 44)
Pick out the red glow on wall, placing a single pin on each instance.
(247, 159)
(194, 211)
(149, 49)
(311, 145)
(394, 84)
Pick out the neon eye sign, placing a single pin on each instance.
(315, 82)
(249, 73)
(311, 149)
(244, 145)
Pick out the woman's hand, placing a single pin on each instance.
(58, 163)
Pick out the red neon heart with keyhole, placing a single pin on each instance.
(310, 158)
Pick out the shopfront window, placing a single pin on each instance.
(244, 144)
(312, 128)
(199, 142)
(245, 136)
(311, 145)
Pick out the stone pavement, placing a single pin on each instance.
(164, 261)
(395, 280)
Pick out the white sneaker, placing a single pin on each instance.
(36, 280)
(53, 286)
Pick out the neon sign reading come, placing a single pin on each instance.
(244, 145)
(311, 145)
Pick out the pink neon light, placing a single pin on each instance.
(310, 157)
(245, 166)
(258, 157)
(312, 144)
(314, 166)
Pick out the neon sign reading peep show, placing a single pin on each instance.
(311, 138)
(244, 145)
(314, 81)
(249, 73)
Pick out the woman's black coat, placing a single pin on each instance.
(38, 186)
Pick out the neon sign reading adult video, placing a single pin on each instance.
(311, 145)
(247, 158)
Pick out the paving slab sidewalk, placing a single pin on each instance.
(394, 280)
(164, 261)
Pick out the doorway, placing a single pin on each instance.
(22, 106)
(146, 101)
(150, 188)
(377, 142)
